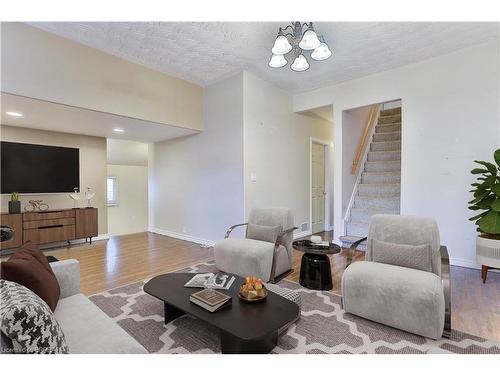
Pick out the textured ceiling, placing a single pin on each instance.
(206, 52)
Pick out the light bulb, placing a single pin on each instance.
(321, 53)
(281, 45)
(300, 64)
(14, 114)
(309, 40)
(277, 61)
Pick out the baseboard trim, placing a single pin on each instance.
(182, 236)
(60, 244)
(467, 264)
(301, 234)
(464, 263)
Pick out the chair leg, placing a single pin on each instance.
(278, 278)
(484, 273)
(446, 280)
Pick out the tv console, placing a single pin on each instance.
(44, 227)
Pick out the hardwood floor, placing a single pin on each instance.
(475, 307)
(126, 259)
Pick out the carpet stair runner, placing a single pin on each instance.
(379, 190)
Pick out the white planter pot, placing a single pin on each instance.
(488, 252)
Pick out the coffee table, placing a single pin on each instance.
(315, 268)
(244, 327)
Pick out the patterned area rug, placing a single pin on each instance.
(323, 327)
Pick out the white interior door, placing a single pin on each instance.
(318, 189)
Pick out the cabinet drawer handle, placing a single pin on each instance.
(51, 226)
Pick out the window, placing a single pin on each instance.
(111, 191)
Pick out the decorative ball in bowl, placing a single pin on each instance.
(252, 290)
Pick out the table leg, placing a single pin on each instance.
(171, 312)
(316, 272)
(231, 344)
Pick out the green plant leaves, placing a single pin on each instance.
(496, 189)
(486, 203)
(478, 196)
(496, 155)
(490, 223)
(486, 191)
(488, 182)
(479, 171)
(489, 166)
(474, 218)
(496, 205)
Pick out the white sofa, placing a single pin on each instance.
(87, 329)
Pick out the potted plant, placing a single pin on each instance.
(14, 204)
(486, 192)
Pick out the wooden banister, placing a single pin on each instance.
(364, 139)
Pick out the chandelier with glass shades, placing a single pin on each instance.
(300, 38)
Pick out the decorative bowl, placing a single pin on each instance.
(253, 295)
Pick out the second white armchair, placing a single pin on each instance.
(266, 250)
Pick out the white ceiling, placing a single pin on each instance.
(206, 52)
(39, 114)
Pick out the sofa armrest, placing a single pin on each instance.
(232, 228)
(68, 276)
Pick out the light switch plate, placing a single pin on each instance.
(253, 177)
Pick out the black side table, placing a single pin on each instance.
(315, 268)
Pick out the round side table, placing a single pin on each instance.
(315, 268)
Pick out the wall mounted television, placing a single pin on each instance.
(35, 169)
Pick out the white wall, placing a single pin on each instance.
(128, 162)
(277, 149)
(354, 122)
(92, 167)
(196, 182)
(130, 215)
(450, 117)
(41, 65)
(123, 152)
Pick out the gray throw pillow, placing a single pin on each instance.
(28, 322)
(263, 232)
(418, 257)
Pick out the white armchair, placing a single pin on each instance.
(266, 250)
(404, 282)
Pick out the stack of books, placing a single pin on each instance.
(210, 299)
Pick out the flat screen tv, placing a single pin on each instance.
(28, 168)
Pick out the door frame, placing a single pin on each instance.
(327, 145)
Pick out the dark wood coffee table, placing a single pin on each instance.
(244, 327)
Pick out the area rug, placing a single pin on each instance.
(322, 328)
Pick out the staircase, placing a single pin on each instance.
(379, 189)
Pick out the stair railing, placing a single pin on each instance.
(362, 156)
(373, 115)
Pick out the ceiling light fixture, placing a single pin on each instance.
(118, 130)
(14, 114)
(277, 61)
(300, 64)
(298, 41)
